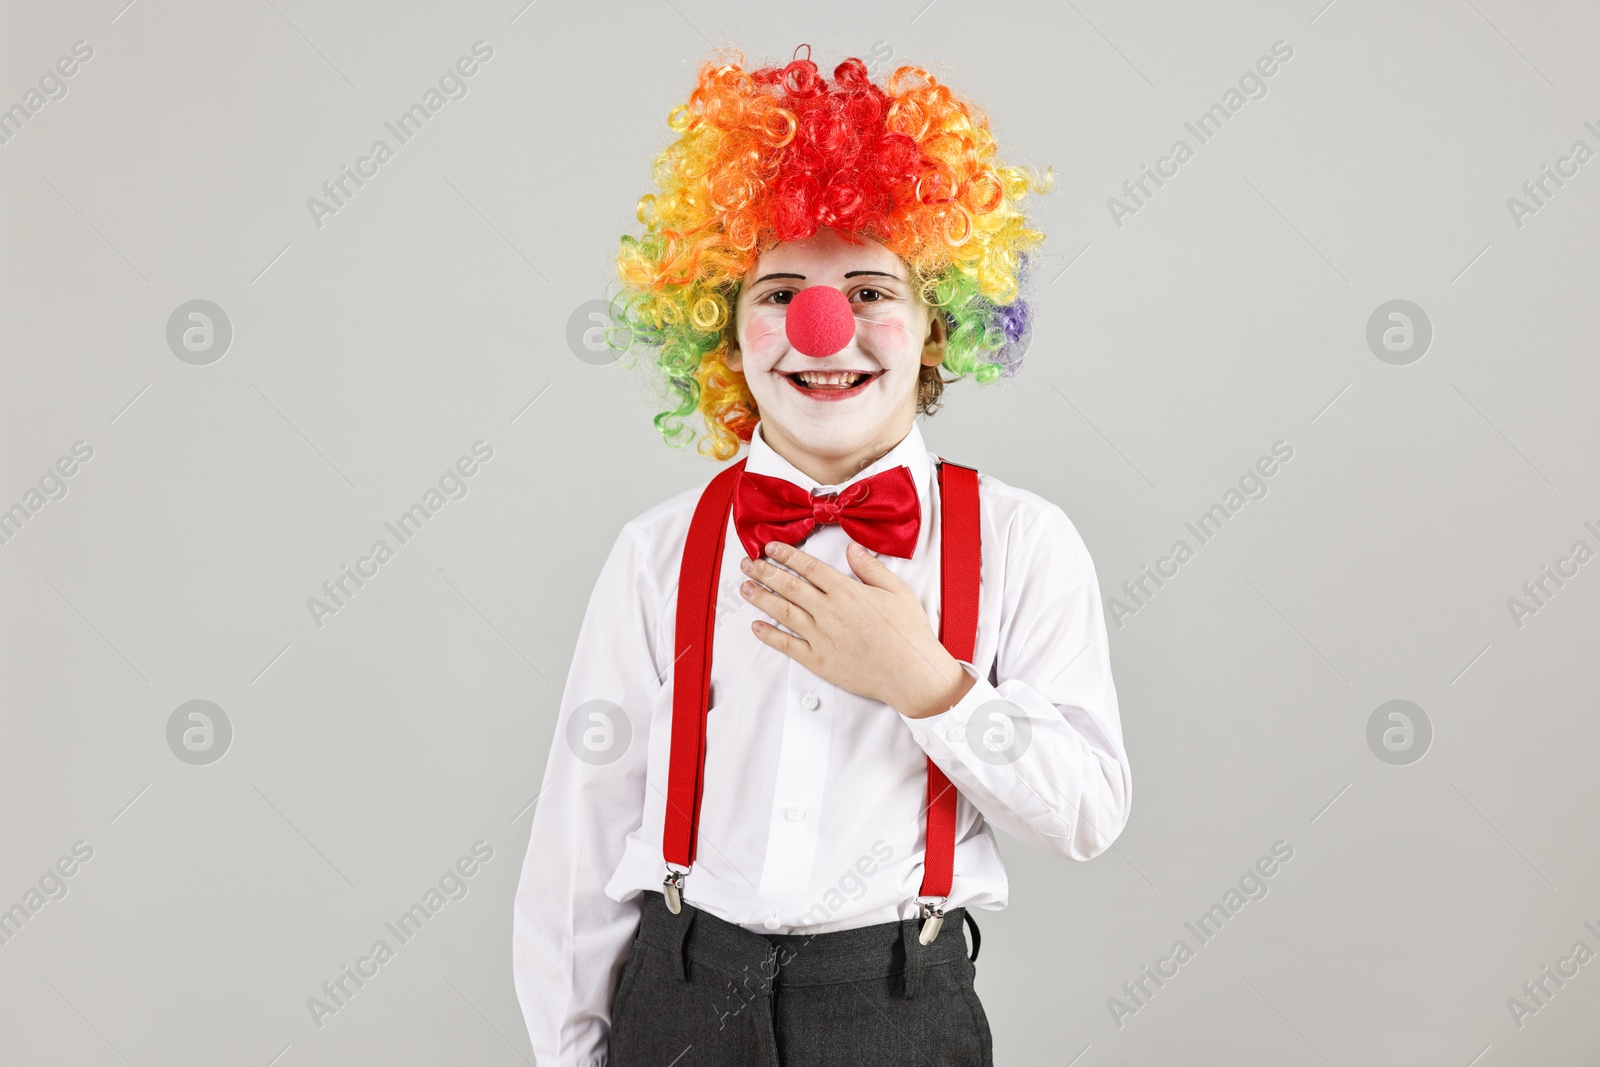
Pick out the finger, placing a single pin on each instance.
(785, 611)
(790, 645)
(870, 569)
(806, 565)
(792, 587)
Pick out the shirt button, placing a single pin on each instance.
(919, 737)
(810, 702)
(771, 922)
(954, 734)
(795, 814)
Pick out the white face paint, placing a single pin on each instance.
(834, 429)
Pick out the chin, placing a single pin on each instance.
(828, 428)
(823, 439)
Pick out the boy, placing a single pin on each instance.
(804, 693)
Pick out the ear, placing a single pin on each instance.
(938, 336)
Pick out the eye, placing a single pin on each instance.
(779, 297)
(869, 296)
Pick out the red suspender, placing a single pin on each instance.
(958, 633)
(691, 686)
(698, 575)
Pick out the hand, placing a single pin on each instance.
(871, 636)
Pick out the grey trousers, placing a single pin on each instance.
(698, 991)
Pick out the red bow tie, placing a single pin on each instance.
(881, 513)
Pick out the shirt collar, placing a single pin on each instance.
(911, 452)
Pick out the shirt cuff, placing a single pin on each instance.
(943, 734)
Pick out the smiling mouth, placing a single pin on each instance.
(831, 381)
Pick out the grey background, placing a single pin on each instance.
(431, 312)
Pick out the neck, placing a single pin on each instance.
(832, 468)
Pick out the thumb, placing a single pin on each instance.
(869, 568)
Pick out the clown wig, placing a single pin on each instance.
(770, 155)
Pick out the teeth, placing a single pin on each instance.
(812, 377)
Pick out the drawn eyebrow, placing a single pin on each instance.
(879, 273)
(768, 277)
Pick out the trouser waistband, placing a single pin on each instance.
(863, 953)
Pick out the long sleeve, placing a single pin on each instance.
(570, 940)
(1040, 754)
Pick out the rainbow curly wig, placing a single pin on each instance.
(770, 155)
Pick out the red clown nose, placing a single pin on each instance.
(819, 321)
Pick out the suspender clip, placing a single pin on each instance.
(672, 889)
(932, 919)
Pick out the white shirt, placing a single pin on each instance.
(812, 812)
